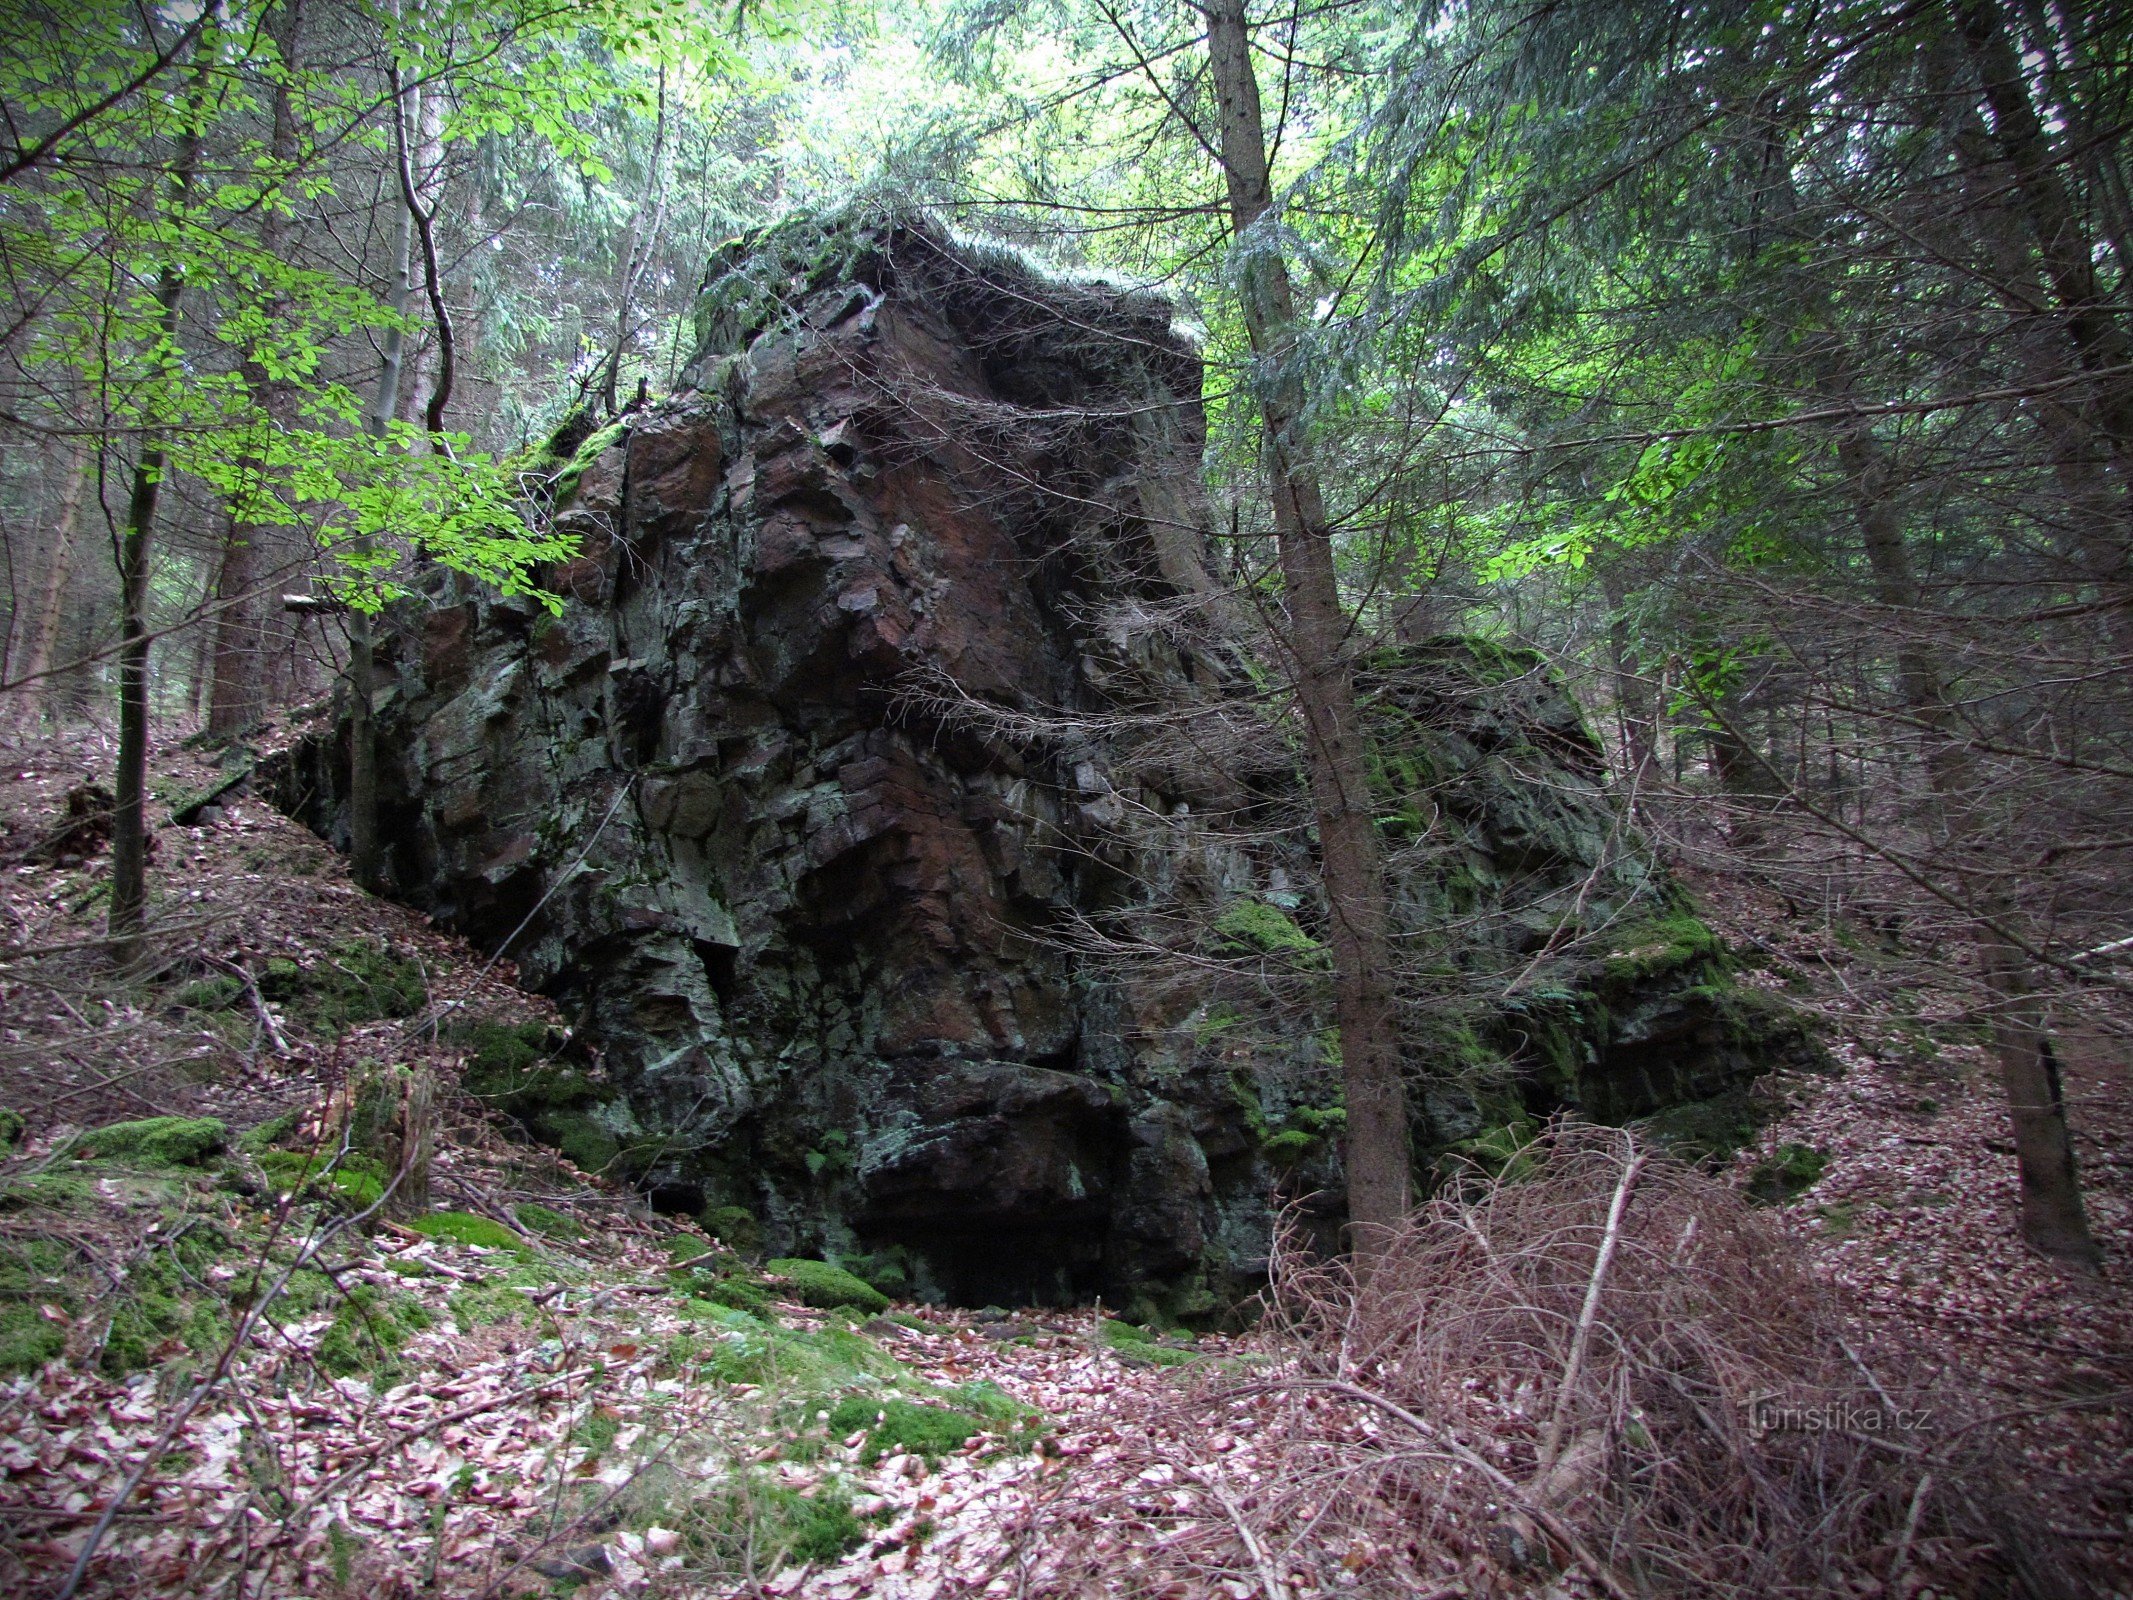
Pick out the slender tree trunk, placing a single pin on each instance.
(1335, 752)
(363, 862)
(638, 242)
(2100, 339)
(2053, 1220)
(129, 822)
(129, 826)
(37, 697)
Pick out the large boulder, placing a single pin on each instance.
(888, 802)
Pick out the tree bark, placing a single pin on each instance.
(2053, 1219)
(1335, 750)
(129, 822)
(37, 697)
(363, 861)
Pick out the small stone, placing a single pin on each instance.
(581, 1562)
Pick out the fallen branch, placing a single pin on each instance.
(1575, 1366)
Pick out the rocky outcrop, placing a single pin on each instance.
(886, 799)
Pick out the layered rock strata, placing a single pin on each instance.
(892, 807)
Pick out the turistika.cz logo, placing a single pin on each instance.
(1773, 1413)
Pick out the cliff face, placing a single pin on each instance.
(843, 799)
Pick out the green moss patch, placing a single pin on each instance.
(160, 1307)
(154, 1141)
(756, 1524)
(1792, 1169)
(817, 1283)
(1138, 1343)
(1657, 947)
(464, 1227)
(369, 1330)
(733, 1225)
(352, 983)
(33, 1277)
(1254, 928)
(354, 1177)
(547, 1223)
(904, 1427)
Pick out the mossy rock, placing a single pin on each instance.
(549, 1224)
(1137, 1343)
(209, 994)
(1254, 928)
(1656, 948)
(1791, 1170)
(735, 1226)
(817, 1283)
(1707, 1131)
(154, 1141)
(357, 1178)
(512, 1066)
(257, 1141)
(464, 1227)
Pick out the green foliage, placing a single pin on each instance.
(12, 1126)
(153, 1141)
(817, 1283)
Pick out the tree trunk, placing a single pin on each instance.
(129, 825)
(2053, 1220)
(1335, 752)
(129, 822)
(37, 697)
(363, 862)
(2099, 338)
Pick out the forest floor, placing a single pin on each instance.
(539, 1386)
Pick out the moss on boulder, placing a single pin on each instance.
(154, 1141)
(817, 1283)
